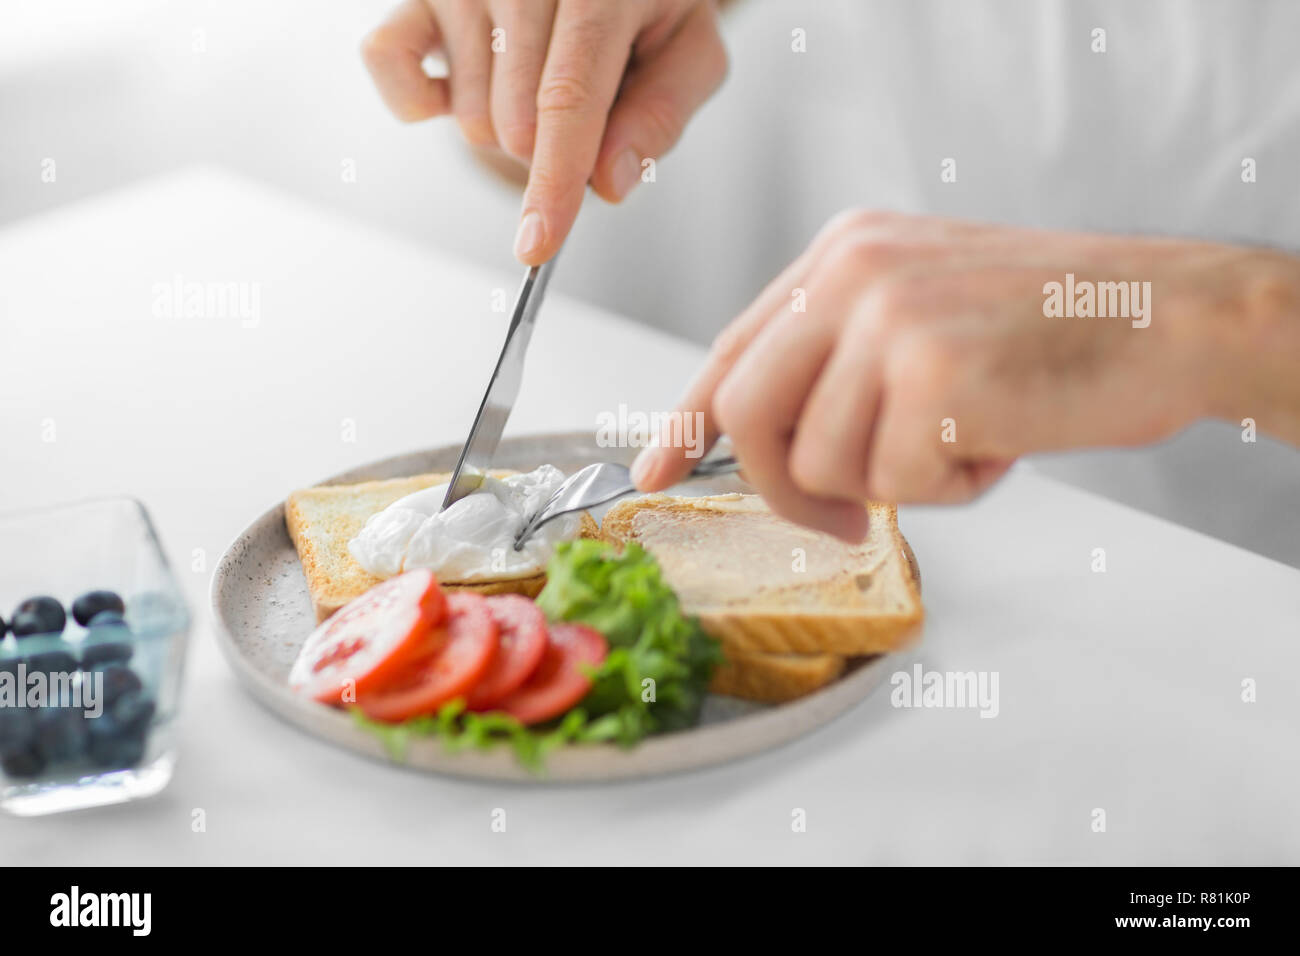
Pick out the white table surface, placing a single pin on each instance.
(1119, 691)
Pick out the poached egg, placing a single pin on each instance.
(473, 540)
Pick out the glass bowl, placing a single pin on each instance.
(87, 713)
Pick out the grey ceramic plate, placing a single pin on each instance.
(263, 613)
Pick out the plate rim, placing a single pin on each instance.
(655, 756)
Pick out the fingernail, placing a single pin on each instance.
(644, 467)
(626, 172)
(530, 236)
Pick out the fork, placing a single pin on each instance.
(600, 483)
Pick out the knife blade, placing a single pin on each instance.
(502, 390)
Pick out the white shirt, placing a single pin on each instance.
(1149, 136)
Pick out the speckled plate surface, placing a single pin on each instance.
(263, 613)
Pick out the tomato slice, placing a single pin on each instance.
(369, 639)
(521, 644)
(456, 656)
(558, 683)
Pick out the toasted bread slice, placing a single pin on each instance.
(324, 519)
(764, 585)
(775, 678)
(788, 604)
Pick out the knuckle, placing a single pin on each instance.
(854, 222)
(865, 263)
(565, 93)
(886, 310)
(875, 220)
(837, 227)
(872, 254)
(922, 362)
(733, 409)
(729, 344)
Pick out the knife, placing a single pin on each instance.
(502, 390)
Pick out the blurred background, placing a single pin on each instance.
(1147, 136)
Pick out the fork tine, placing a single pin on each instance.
(544, 513)
(597, 484)
(581, 490)
(546, 517)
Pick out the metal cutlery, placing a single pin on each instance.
(503, 388)
(601, 483)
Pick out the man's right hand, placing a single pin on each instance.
(579, 90)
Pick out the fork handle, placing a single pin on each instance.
(719, 466)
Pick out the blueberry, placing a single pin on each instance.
(22, 762)
(60, 733)
(101, 653)
(18, 754)
(48, 654)
(25, 624)
(86, 607)
(132, 712)
(109, 642)
(39, 615)
(117, 737)
(52, 662)
(118, 680)
(17, 728)
(116, 751)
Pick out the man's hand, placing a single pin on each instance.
(924, 363)
(581, 90)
